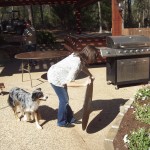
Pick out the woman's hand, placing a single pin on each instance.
(89, 80)
(92, 78)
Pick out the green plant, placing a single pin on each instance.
(139, 140)
(142, 104)
(143, 93)
(142, 112)
(45, 37)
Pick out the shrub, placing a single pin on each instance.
(142, 104)
(45, 37)
(142, 112)
(139, 140)
(143, 93)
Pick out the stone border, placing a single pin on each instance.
(108, 142)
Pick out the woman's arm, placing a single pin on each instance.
(87, 72)
(75, 84)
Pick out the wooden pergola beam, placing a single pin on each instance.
(84, 3)
(5, 3)
(116, 15)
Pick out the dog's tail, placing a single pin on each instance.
(10, 101)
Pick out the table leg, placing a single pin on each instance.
(28, 70)
(22, 68)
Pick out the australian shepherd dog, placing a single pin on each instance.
(27, 102)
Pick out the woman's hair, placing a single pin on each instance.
(88, 54)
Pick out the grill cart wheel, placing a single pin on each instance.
(116, 87)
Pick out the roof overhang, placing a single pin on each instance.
(79, 3)
(84, 3)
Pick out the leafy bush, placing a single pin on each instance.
(142, 112)
(139, 140)
(45, 37)
(142, 104)
(143, 93)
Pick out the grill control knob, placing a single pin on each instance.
(148, 49)
(131, 51)
(125, 51)
(137, 50)
(119, 52)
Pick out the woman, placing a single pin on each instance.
(62, 74)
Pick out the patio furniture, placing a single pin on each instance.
(38, 55)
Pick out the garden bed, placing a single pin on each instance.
(128, 123)
(134, 129)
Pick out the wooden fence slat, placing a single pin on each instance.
(136, 31)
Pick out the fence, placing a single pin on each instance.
(136, 31)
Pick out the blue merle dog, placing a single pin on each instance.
(27, 102)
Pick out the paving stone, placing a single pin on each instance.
(108, 142)
(117, 121)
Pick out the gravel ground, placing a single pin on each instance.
(21, 135)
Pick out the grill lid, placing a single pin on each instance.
(126, 46)
(134, 41)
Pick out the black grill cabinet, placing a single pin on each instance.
(127, 60)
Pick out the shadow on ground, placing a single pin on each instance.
(109, 109)
(47, 113)
(14, 67)
(4, 93)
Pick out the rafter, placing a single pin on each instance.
(84, 3)
(4, 3)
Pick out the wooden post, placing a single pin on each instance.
(116, 19)
(41, 13)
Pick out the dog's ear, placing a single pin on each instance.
(34, 96)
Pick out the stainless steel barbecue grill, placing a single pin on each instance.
(127, 59)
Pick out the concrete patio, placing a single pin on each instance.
(24, 135)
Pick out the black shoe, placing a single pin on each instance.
(77, 122)
(68, 125)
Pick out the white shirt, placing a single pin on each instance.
(64, 71)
